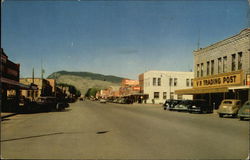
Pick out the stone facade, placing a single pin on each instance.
(222, 54)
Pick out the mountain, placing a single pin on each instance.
(85, 80)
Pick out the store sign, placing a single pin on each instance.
(216, 81)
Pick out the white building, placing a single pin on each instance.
(161, 85)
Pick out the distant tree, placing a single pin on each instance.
(91, 92)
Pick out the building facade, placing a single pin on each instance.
(222, 70)
(43, 85)
(161, 85)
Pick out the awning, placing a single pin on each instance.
(192, 91)
(239, 87)
(17, 84)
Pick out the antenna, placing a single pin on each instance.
(198, 43)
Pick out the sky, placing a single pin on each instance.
(123, 38)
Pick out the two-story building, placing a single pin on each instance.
(161, 85)
(222, 70)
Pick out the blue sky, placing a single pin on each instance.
(122, 38)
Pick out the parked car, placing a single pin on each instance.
(200, 106)
(183, 105)
(50, 104)
(103, 100)
(244, 111)
(229, 107)
(170, 103)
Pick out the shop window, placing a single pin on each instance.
(170, 81)
(198, 70)
(192, 82)
(164, 95)
(154, 81)
(36, 93)
(202, 69)
(233, 62)
(219, 65)
(239, 60)
(212, 67)
(187, 82)
(156, 94)
(208, 67)
(159, 81)
(171, 95)
(224, 64)
(175, 81)
(179, 97)
(28, 93)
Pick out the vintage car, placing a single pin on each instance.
(170, 103)
(182, 106)
(50, 104)
(229, 107)
(244, 111)
(200, 106)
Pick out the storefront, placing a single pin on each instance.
(222, 70)
(9, 84)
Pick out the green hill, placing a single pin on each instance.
(85, 80)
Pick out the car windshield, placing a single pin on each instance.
(227, 102)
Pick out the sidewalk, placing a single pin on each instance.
(6, 114)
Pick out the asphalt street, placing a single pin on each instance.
(91, 130)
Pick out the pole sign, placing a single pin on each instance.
(234, 78)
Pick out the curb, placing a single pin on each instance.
(8, 115)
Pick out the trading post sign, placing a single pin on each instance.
(229, 79)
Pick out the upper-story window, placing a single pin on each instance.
(159, 81)
(239, 60)
(233, 62)
(154, 81)
(212, 67)
(202, 69)
(208, 67)
(224, 64)
(175, 81)
(187, 82)
(198, 70)
(219, 65)
(170, 81)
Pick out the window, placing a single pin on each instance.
(175, 81)
(164, 95)
(179, 96)
(28, 93)
(239, 60)
(208, 67)
(159, 81)
(187, 82)
(224, 64)
(233, 62)
(171, 95)
(198, 70)
(170, 81)
(36, 93)
(212, 67)
(154, 81)
(219, 65)
(201, 69)
(156, 94)
(192, 82)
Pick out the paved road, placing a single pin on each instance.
(90, 130)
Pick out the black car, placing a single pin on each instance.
(170, 103)
(200, 106)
